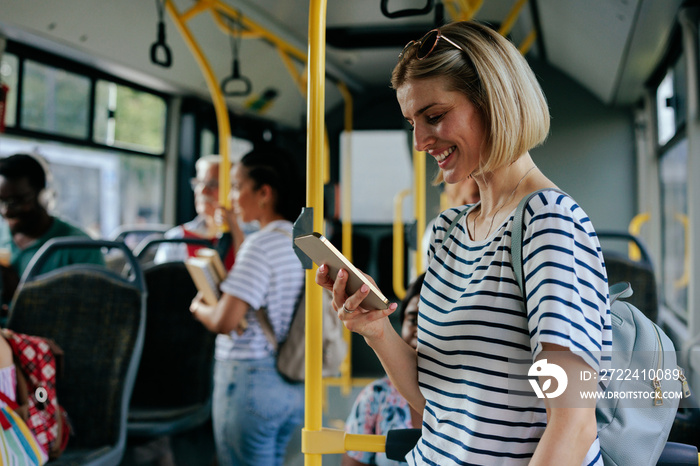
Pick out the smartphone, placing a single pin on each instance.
(321, 251)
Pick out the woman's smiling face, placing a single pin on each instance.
(445, 124)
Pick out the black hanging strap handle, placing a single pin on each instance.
(160, 43)
(406, 12)
(236, 80)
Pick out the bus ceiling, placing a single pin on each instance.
(609, 47)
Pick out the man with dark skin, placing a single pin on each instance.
(28, 225)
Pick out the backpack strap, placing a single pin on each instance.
(264, 318)
(516, 245)
(266, 326)
(454, 223)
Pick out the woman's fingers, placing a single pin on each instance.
(323, 277)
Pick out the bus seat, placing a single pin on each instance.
(98, 319)
(146, 250)
(132, 236)
(678, 454)
(174, 384)
(640, 274)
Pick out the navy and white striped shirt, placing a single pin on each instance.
(266, 273)
(476, 342)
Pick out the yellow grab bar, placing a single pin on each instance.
(313, 415)
(334, 441)
(219, 103)
(398, 251)
(419, 203)
(508, 23)
(346, 199)
(685, 278)
(634, 228)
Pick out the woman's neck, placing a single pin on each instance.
(268, 218)
(500, 188)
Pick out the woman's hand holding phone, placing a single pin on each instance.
(370, 323)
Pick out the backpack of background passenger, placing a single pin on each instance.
(35, 360)
(291, 352)
(632, 431)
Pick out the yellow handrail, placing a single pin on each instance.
(311, 435)
(634, 229)
(509, 22)
(398, 262)
(685, 278)
(346, 199)
(218, 99)
(419, 203)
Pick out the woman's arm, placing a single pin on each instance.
(228, 314)
(231, 218)
(397, 357)
(571, 423)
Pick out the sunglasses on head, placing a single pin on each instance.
(427, 43)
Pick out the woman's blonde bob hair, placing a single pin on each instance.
(495, 78)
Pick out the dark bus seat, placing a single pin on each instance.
(98, 319)
(640, 274)
(174, 384)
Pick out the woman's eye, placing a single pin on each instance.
(435, 119)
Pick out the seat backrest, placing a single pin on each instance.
(132, 235)
(178, 354)
(98, 320)
(641, 276)
(639, 273)
(145, 251)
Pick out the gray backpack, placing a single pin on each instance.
(291, 352)
(631, 431)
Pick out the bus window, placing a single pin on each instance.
(9, 76)
(54, 100)
(673, 173)
(129, 118)
(115, 189)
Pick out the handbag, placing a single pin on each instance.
(17, 443)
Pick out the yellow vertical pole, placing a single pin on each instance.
(419, 202)
(345, 197)
(313, 416)
(222, 119)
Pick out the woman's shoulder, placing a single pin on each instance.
(552, 200)
(276, 229)
(269, 239)
(556, 209)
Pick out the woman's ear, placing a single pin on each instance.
(266, 194)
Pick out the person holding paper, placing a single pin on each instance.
(204, 226)
(255, 411)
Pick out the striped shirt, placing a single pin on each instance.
(266, 273)
(476, 342)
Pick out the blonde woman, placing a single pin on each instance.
(477, 109)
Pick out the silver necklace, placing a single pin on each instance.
(500, 207)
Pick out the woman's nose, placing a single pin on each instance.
(423, 138)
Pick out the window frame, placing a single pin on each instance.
(674, 54)
(25, 52)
